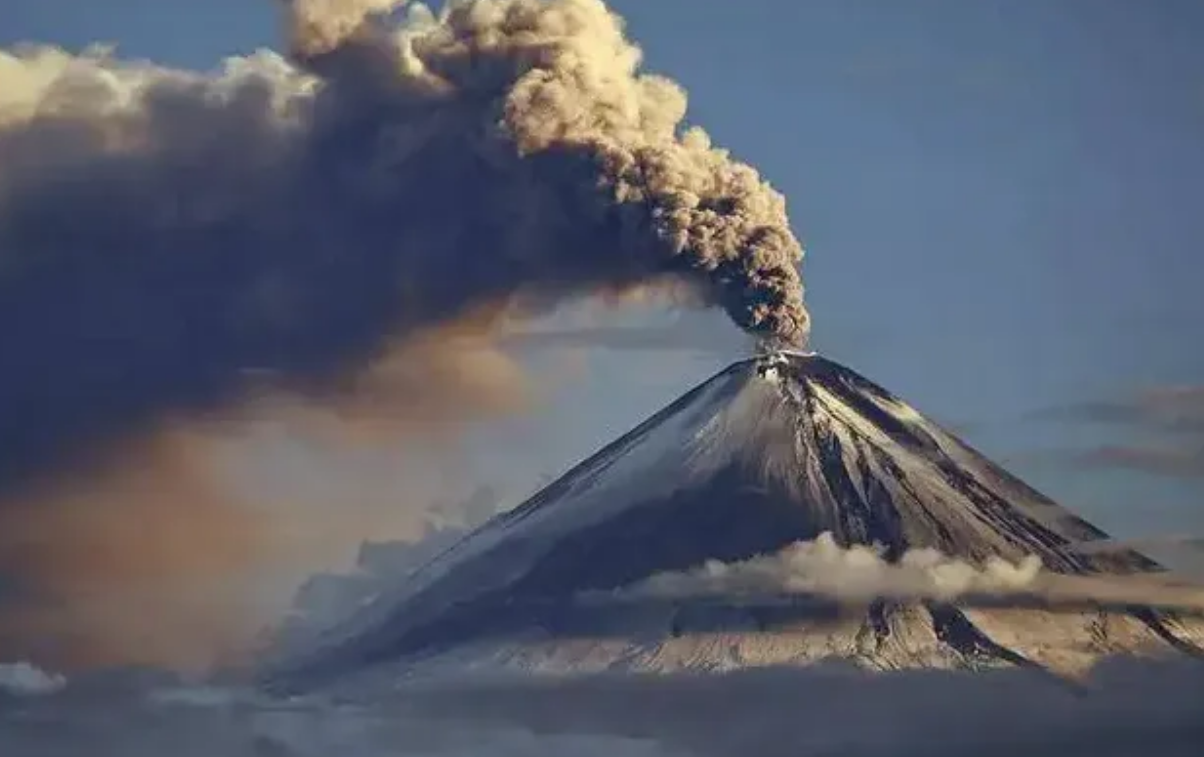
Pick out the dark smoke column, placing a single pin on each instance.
(167, 237)
(576, 112)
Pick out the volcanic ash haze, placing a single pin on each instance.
(173, 244)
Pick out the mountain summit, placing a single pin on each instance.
(775, 450)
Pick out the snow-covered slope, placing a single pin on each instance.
(773, 450)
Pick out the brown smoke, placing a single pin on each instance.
(175, 245)
(132, 566)
(146, 559)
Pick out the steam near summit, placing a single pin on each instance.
(172, 243)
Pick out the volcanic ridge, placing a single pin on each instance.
(782, 448)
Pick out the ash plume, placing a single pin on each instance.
(175, 244)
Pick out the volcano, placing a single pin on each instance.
(774, 450)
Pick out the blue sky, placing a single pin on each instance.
(1001, 202)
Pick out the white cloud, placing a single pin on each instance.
(23, 679)
(859, 574)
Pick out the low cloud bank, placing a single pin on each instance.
(862, 574)
(1128, 707)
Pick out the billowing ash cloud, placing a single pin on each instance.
(861, 574)
(173, 243)
(168, 239)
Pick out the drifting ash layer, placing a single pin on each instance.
(772, 451)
